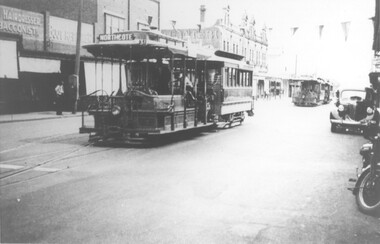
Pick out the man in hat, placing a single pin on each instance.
(59, 98)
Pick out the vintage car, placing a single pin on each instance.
(353, 110)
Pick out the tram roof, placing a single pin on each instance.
(231, 62)
(309, 78)
(137, 45)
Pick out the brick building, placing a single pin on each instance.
(38, 41)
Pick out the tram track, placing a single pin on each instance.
(37, 141)
(68, 155)
(34, 156)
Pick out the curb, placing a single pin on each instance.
(41, 118)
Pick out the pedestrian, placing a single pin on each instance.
(59, 98)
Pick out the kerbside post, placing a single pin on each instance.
(74, 78)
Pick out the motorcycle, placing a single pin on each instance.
(367, 187)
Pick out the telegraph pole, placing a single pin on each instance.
(74, 79)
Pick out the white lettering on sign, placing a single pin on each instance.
(20, 17)
(28, 24)
(64, 31)
(117, 37)
(17, 28)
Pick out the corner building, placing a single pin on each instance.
(38, 42)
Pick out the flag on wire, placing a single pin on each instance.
(346, 27)
(294, 30)
(320, 31)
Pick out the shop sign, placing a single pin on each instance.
(116, 37)
(64, 31)
(28, 24)
(123, 37)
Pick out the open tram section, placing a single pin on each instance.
(163, 87)
(310, 91)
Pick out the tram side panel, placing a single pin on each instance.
(236, 100)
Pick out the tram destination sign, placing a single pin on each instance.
(120, 37)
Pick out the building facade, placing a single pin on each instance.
(38, 42)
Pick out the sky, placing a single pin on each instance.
(347, 61)
(273, 13)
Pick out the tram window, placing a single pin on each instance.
(217, 77)
(136, 74)
(233, 75)
(227, 83)
(214, 76)
(227, 77)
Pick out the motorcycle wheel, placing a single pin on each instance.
(368, 196)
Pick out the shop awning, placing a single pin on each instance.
(39, 65)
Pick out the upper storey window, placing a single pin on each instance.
(113, 24)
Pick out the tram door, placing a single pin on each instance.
(214, 89)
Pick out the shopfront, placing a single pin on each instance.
(36, 52)
(19, 30)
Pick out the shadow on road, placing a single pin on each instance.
(159, 140)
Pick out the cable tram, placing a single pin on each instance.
(163, 88)
(310, 91)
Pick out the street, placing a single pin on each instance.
(280, 177)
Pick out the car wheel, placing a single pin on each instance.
(333, 127)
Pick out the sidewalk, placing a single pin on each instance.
(7, 118)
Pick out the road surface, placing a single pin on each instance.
(281, 177)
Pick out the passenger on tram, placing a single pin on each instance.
(163, 78)
(188, 84)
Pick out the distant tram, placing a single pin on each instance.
(310, 91)
(163, 87)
